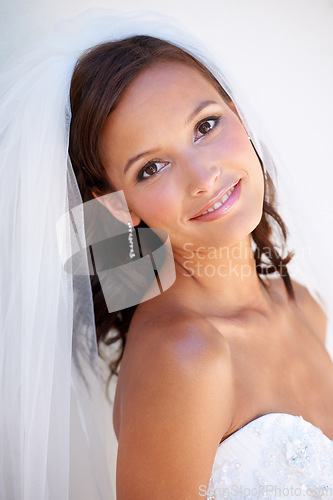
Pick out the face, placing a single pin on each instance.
(176, 148)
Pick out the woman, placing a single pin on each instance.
(223, 348)
(193, 348)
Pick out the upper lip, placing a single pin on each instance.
(216, 198)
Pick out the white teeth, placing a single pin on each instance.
(220, 203)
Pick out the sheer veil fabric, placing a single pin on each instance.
(53, 423)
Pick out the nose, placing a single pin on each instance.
(200, 174)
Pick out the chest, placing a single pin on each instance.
(280, 365)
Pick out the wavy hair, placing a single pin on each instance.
(99, 79)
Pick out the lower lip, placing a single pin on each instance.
(223, 209)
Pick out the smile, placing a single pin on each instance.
(219, 203)
(222, 206)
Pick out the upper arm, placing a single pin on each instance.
(173, 418)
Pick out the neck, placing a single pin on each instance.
(226, 275)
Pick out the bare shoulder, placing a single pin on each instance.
(184, 345)
(175, 409)
(172, 332)
(311, 309)
(191, 345)
(181, 347)
(185, 329)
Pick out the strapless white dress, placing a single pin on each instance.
(275, 456)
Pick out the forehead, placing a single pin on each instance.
(163, 84)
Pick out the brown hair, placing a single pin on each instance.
(100, 77)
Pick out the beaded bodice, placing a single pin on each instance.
(275, 456)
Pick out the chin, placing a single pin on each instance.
(249, 220)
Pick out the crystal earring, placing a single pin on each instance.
(130, 240)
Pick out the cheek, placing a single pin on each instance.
(240, 151)
(157, 205)
(231, 144)
(238, 144)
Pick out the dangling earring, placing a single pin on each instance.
(130, 240)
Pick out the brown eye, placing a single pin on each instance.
(151, 169)
(205, 127)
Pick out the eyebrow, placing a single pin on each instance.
(196, 111)
(137, 157)
(199, 108)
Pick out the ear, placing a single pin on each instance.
(116, 204)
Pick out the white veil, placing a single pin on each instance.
(52, 417)
(52, 431)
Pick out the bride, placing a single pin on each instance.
(224, 346)
(225, 386)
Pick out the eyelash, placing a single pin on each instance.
(140, 176)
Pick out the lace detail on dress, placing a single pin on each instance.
(275, 456)
(226, 477)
